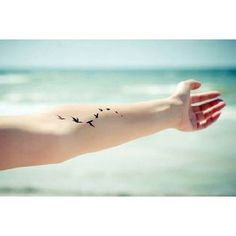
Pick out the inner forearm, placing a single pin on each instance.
(112, 125)
(68, 131)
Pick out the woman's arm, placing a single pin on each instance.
(68, 131)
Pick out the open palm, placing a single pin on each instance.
(198, 111)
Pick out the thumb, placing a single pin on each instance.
(184, 87)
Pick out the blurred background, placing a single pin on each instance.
(37, 74)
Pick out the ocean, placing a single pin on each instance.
(169, 163)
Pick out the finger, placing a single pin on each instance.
(204, 96)
(213, 110)
(205, 115)
(207, 105)
(186, 86)
(209, 121)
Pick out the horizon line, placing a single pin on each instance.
(43, 68)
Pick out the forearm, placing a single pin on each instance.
(54, 136)
(132, 121)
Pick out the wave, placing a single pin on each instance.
(8, 109)
(229, 113)
(156, 89)
(13, 79)
(19, 97)
(149, 89)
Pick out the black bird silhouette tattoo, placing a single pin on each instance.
(96, 115)
(116, 112)
(76, 120)
(100, 109)
(90, 123)
(60, 118)
(108, 109)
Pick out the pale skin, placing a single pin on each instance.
(57, 135)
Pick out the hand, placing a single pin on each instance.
(196, 117)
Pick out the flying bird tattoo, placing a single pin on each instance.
(76, 120)
(108, 109)
(116, 112)
(96, 115)
(90, 123)
(100, 109)
(60, 118)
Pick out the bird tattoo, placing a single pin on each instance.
(76, 120)
(90, 123)
(60, 118)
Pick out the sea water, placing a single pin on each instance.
(167, 163)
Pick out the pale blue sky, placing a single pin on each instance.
(117, 53)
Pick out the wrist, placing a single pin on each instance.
(176, 111)
(167, 112)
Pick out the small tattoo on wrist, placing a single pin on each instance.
(90, 122)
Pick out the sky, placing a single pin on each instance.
(117, 53)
